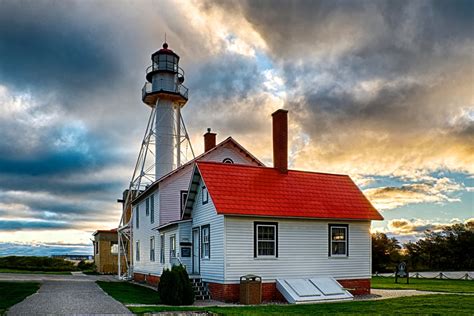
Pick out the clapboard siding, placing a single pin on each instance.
(171, 187)
(170, 195)
(203, 214)
(229, 152)
(185, 236)
(302, 250)
(143, 234)
(168, 208)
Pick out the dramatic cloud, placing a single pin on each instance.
(377, 87)
(437, 191)
(406, 227)
(379, 90)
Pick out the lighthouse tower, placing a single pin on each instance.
(165, 93)
(165, 145)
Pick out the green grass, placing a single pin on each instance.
(3, 270)
(128, 293)
(452, 286)
(15, 292)
(91, 272)
(425, 305)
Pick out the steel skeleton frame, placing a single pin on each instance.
(143, 176)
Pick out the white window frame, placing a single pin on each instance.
(274, 226)
(173, 246)
(204, 195)
(183, 196)
(137, 250)
(152, 248)
(152, 208)
(162, 248)
(206, 244)
(147, 206)
(345, 241)
(137, 217)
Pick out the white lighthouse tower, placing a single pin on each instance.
(166, 94)
(165, 145)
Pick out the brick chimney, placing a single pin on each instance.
(209, 140)
(280, 140)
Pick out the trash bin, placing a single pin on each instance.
(250, 289)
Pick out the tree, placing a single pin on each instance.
(451, 248)
(385, 253)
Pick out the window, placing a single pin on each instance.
(137, 250)
(147, 206)
(227, 160)
(205, 195)
(265, 240)
(183, 197)
(173, 246)
(338, 240)
(114, 247)
(96, 246)
(137, 217)
(206, 242)
(152, 248)
(152, 208)
(162, 248)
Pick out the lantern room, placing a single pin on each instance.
(165, 78)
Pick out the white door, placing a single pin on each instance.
(196, 252)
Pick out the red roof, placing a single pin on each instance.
(260, 191)
(113, 230)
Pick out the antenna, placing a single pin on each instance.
(165, 37)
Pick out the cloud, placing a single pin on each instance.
(437, 191)
(377, 88)
(374, 90)
(15, 225)
(412, 229)
(43, 249)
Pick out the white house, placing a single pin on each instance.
(157, 240)
(225, 220)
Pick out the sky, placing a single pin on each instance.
(379, 90)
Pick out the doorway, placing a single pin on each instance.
(196, 252)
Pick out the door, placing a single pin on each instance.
(196, 252)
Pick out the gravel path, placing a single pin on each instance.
(68, 298)
(381, 294)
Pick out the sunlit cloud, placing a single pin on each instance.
(437, 191)
(377, 90)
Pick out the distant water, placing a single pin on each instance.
(41, 249)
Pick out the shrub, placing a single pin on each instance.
(187, 294)
(175, 288)
(84, 265)
(36, 263)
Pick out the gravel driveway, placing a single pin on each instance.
(74, 296)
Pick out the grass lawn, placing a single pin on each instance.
(15, 292)
(3, 270)
(426, 304)
(128, 293)
(459, 286)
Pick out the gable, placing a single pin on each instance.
(229, 148)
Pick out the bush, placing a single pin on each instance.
(36, 264)
(187, 294)
(84, 265)
(175, 288)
